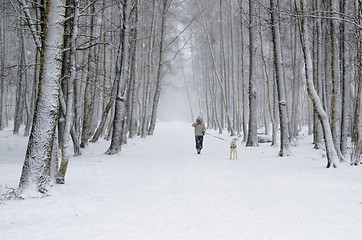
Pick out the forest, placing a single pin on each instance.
(75, 71)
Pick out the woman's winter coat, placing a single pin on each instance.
(199, 128)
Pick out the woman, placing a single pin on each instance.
(199, 133)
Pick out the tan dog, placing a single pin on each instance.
(233, 149)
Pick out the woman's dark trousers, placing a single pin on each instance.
(199, 140)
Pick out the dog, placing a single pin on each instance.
(233, 149)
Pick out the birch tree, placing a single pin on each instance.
(120, 107)
(88, 110)
(156, 97)
(70, 98)
(35, 175)
(332, 156)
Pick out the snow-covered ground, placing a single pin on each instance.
(158, 188)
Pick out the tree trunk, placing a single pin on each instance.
(335, 104)
(332, 156)
(2, 66)
(295, 65)
(147, 74)
(36, 170)
(54, 162)
(231, 62)
(70, 97)
(76, 120)
(284, 132)
(344, 82)
(243, 85)
(105, 112)
(68, 27)
(156, 97)
(132, 91)
(357, 117)
(120, 108)
(20, 93)
(252, 140)
(318, 74)
(87, 130)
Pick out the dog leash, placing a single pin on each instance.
(216, 137)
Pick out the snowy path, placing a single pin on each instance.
(158, 188)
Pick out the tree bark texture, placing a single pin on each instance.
(120, 107)
(70, 97)
(332, 157)
(156, 97)
(284, 132)
(36, 170)
(252, 140)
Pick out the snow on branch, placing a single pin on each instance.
(337, 16)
